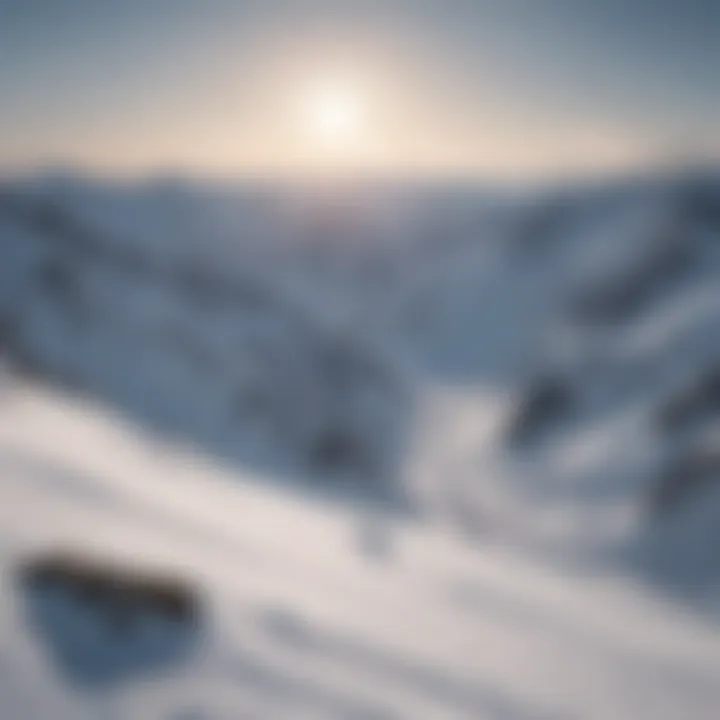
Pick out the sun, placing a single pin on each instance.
(333, 115)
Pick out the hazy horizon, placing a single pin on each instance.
(384, 89)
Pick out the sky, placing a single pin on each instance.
(407, 86)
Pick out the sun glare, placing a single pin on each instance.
(333, 115)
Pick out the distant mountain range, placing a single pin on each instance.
(542, 366)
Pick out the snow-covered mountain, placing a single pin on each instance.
(322, 331)
(528, 381)
(194, 344)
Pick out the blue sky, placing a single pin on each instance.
(487, 85)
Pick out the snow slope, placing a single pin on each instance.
(197, 346)
(502, 360)
(318, 628)
(250, 384)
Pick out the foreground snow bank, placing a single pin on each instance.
(299, 622)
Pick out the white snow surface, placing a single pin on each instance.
(302, 402)
(299, 621)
